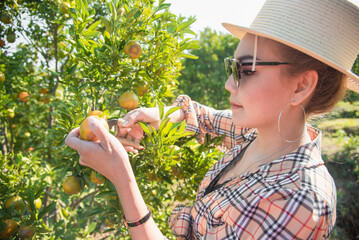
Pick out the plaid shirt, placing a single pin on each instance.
(293, 197)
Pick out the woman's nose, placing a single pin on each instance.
(230, 86)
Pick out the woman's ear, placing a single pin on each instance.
(306, 84)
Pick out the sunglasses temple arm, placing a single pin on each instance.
(255, 53)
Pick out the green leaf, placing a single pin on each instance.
(107, 24)
(161, 108)
(163, 6)
(93, 26)
(145, 128)
(185, 24)
(91, 227)
(188, 55)
(46, 210)
(164, 124)
(171, 110)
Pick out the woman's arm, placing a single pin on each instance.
(108, 157)
(199, 118)
(203, 119)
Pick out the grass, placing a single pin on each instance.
(349, 125)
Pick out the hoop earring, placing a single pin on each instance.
(279, 118)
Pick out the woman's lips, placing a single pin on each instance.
(236, 106)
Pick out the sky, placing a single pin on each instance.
(211, 13)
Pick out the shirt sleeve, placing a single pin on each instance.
(202, 119)
(297, 216)
(180, 222)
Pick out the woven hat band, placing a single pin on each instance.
(327, 30)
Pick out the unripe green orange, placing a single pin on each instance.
(71, 185)
(16, 202)
(128, 100)
(5, 18)
(10, 37)
(2, 77)
(9, 229)
(38, 203)
(26, 232)
(10, 113)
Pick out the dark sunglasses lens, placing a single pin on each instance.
(227, 65)
(236, 72)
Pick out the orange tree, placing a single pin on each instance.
(75, 57)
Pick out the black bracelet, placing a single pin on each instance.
(137, 222)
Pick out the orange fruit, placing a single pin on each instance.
(24, 96)
(86, 132)
(128, 100)
(10, 37)
(26, 232)
(109, 224)
(72, 185)
(10, 113)
(16, 202)
(95, 113)
(44, 91)
(64, 7)
(97, 178)
(151, 176)
(38, 203)
(133, 49)
(2, 43)
(141, 89)
(9, 229)
(5, 18)
(2, 77)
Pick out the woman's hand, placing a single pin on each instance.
(130, 128)
(105, 156)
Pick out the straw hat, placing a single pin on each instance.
(327, 30)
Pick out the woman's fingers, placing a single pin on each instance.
(100, 131)
(73, 141)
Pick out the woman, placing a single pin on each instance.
(291, 64)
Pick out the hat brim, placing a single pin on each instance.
(239, 32)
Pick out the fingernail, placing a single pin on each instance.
(124, 123)
(92, 121)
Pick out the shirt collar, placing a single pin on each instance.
(306, 156)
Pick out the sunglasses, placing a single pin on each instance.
(235, 67)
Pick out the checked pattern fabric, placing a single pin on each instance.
(293, 197)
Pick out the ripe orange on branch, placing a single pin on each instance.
(71, 185)
(86, 132)
(141, 89)
(24, 96)
(133, 49)
(64, 7)
(96, 178)
(128, 100)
